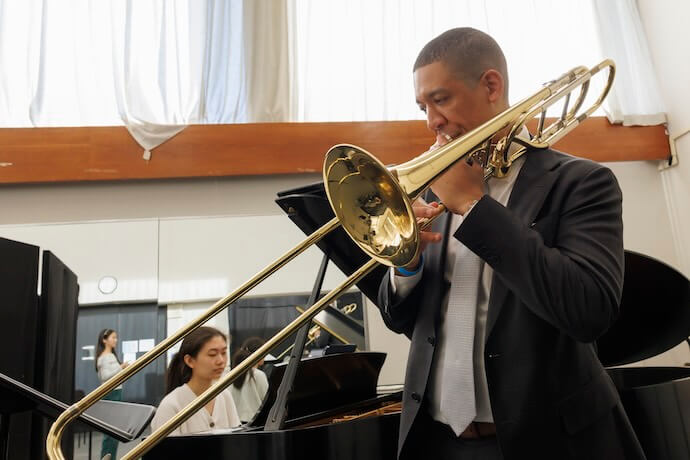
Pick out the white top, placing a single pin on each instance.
(107, 367)
(224, 412)
(251, 395)
(499, 190)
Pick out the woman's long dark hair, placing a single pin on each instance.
(248, 347)
(100, 346)
(178, 372)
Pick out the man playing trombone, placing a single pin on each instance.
(512, 289)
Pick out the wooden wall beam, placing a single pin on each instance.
(46, 155)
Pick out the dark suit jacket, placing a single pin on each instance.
(557, 255)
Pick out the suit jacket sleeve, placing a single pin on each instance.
(399, 314)
(574, 282)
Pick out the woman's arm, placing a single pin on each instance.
(166, 410)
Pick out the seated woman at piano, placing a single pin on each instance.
(200, 361)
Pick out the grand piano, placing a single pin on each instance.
(336, 413)
(655, 317)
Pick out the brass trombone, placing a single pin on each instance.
(374, 206)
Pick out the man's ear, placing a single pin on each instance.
(189, 361)
(493, 82)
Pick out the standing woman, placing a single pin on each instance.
(107, 365)
(201, 360)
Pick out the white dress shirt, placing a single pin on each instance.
(499, 190)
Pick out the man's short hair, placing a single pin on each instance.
(467, 52)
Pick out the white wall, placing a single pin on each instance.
(646, 223)
(666, 25)
(206, 258)
(88, 202)
(125, 250)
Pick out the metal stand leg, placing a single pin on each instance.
(4, 436)
(278, 413)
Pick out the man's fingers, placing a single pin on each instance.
(429, 237)
(427, 211)
(420, 204)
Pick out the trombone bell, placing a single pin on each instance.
(370, 204)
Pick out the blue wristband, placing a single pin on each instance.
(402, 270)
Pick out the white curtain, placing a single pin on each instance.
(158, 65)
(635, 99)
(166, 60)
(152, 65)
(354, 58)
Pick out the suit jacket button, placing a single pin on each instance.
(532, 225)
(416, 397)
(431, 340)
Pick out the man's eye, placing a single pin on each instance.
(422, 108)
(440, 100)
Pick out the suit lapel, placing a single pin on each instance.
(436, 258)
(533, 184)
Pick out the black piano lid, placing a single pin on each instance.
(654, 313)
(324, 383)
(309, 209)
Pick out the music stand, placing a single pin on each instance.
(120, 420)
(309, 209)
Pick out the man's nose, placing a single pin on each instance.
(434, 120)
